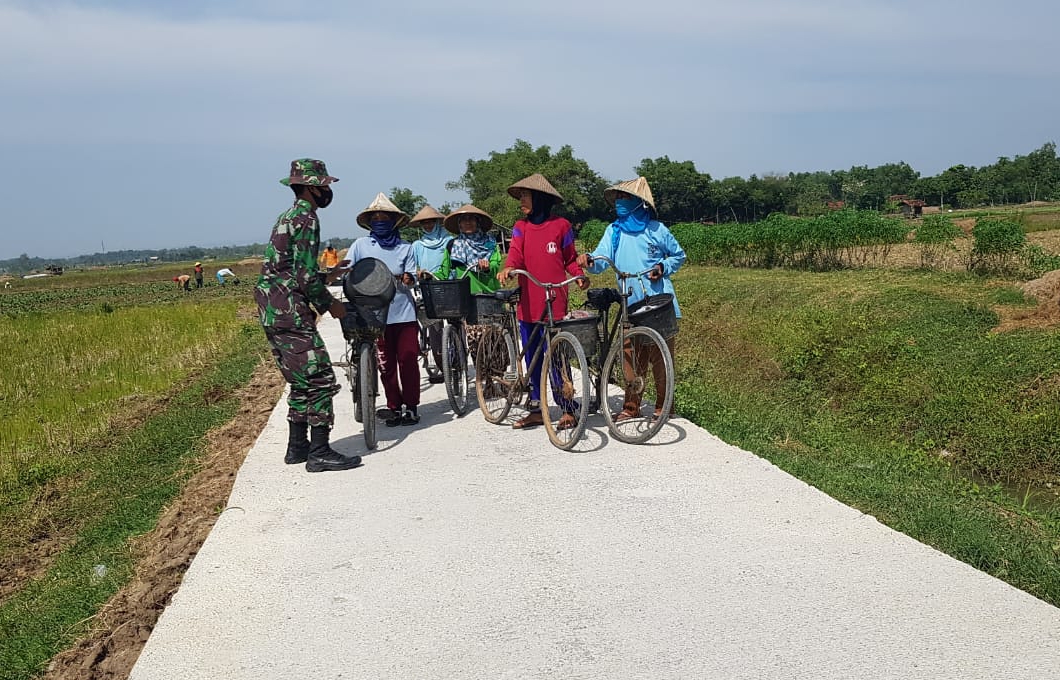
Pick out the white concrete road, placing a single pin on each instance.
(468, 550)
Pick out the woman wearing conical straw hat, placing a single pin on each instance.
(542, 244)
(636, 241)
(473, 253)
(399, 348)
(430, 251)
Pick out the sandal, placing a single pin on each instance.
(566, 422)
(532, 419)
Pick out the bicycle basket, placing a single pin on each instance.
(446, 299)
(657, 312)
(487, 308)
(363, 323)
(584, 329)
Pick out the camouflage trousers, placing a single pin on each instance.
(304, 362)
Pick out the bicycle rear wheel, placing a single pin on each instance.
(496, 373)
(349, 369)
(565, 391)
(454, 368)
(637, 382)
(367, 389)
(431, 367)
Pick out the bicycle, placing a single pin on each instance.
(449, 301)
(624, 375)
(362, 328)
(431, 366)
(500, 379)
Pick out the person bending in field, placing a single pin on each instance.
(288, 288)
(636, 241)
(182, 282)
(543, 245)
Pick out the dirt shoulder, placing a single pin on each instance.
(124, 623)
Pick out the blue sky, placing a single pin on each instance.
(163, 124)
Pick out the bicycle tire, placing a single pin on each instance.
(565, 372)
(367, 388)
(454, 368)
(496, 389)
(349, 367)
(430, 367)
(617, 386)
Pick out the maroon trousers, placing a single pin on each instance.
(399, 366)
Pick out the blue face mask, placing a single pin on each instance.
(626, 206)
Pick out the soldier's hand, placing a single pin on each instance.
(337, 309)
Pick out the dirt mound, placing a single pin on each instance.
(123, 625)
(966, 225)
(250, 260)
(1046, 290)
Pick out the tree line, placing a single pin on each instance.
(685, 194)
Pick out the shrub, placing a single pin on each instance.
(997, 243)
(935, 235)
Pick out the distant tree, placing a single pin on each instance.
(486, 181)
(682, 193)
(407, 201)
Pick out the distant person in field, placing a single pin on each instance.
(198, 274)
(183, 282)
(226, 272)
(289, 287)
(329, 259)
(399, 348)
(542, 244)
(636, 241)
(429, 250)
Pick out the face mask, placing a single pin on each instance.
(625, 206)
(324, 197)
(381, 225)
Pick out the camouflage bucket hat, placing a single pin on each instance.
(308, 171)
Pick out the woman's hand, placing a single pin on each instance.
(656, 272)
(484, 265)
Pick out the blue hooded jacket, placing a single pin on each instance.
(636, 252)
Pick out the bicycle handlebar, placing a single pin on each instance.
(618, 272)
(546, 286)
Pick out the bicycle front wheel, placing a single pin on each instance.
(565, 391)
(367, 388)
(637, 386)
(496, 373)
(349, 368)
(454, 368)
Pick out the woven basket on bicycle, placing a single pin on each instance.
(585, 328)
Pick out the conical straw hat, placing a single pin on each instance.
(427, 213)
(485, 222)
(382, 204)
(637, 187)
(535, 182)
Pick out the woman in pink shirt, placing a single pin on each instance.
(542, 244)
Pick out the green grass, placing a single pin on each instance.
(119, 494)
(874, 386)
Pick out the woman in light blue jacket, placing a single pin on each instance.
(636, 241)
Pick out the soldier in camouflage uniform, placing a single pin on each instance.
(287, 288)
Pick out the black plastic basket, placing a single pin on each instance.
(488, 308)
(584, 329)
(363, 323)
(446, 299)
(656, 312)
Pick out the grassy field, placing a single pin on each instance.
(108, 390)
(889, 391)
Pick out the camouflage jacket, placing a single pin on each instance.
(290, 281)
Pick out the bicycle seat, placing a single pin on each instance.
(507, 295)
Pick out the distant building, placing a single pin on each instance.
(910, 207)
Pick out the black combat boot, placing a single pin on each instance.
(323, 458)
(297, 443)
